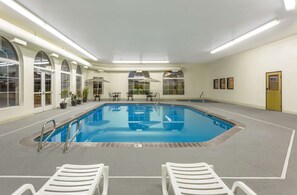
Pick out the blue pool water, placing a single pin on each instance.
(145, 123)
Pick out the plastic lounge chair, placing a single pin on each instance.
(197, 179)
(111, 97)
(72, 179)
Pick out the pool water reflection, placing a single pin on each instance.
(145, 123)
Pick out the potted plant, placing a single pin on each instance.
(73, 99)
(85, 94)
(78, 101)
(64, 95)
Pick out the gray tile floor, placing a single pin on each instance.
(255, 155)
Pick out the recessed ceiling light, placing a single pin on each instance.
(250, 34)
(290, 4)
(23, 11)
(140, 62)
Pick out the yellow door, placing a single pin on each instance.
(274, 91)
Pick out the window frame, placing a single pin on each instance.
(14, 80)
(179, 81)
(68, 75)
(133, 81)
(99, 83)
(78, 76)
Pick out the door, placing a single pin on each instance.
(42, 90)
(274, 91)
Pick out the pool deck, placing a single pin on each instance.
(263, 155)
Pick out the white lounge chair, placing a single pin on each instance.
(197, 179)
(72, 179)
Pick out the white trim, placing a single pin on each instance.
(64, 72)
(10, 61)
(44, 69)
(286, 164)
(167, 78)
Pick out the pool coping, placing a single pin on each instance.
(31, 143)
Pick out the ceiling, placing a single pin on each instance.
(181, 31)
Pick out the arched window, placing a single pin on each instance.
(65, 76)
(42, 80)
(173, 83)
(9, 74)
(138, 87)
(42, 60)
(78, 81)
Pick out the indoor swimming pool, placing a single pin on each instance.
(144, 123)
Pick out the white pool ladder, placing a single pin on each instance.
(78, 128)
(41, 141)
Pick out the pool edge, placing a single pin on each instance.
(31, 143)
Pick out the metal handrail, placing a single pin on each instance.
(202, 96)
(156, 102)
(67, 142)
(41, 142)
(157, 99)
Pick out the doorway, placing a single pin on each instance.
(42, 90)
(274, 91)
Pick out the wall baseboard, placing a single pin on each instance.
(289, 112)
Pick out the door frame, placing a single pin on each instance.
(43, 106)
(281, 88)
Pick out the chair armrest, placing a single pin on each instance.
(24, 188)
(240, 185)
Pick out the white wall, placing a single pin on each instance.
(249, 69)
(194, 82)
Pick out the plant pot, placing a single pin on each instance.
(63, 105)
(73, 103)
(85, 99)
(78, 101)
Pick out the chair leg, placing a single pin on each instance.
(164, 179)
(97, 190)
(240, 185)
(105, 180)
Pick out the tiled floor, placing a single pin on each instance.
(257, 155)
